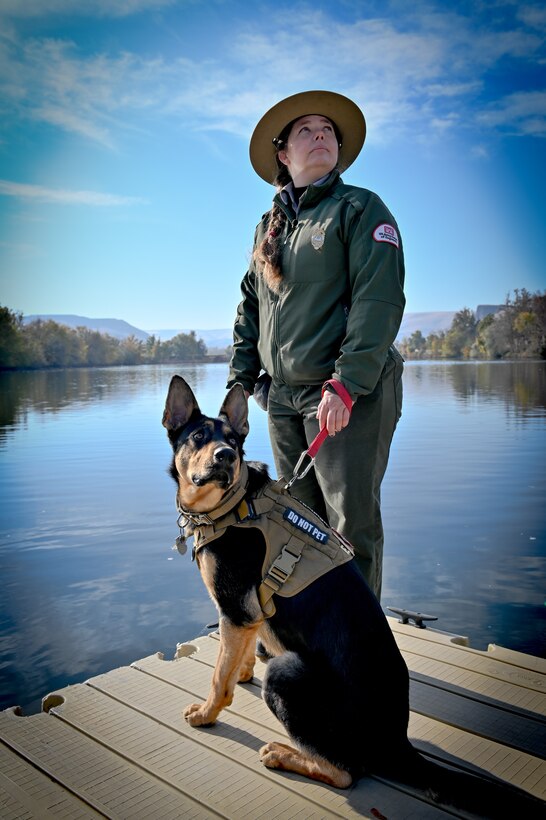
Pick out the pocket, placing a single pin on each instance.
(261, 390)
(397, 379)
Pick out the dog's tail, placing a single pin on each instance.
(478, 795)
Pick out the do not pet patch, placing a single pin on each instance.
(307, 526)
(386, 233)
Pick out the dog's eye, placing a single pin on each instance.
(233, 441)
(198, 436)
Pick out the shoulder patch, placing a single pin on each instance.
(386, 233)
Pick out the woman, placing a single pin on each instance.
(323, 300)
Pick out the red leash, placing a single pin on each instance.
(317, 442)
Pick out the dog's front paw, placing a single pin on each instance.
(196, 715)
(246, 673)
(273, 755)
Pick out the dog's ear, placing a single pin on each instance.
(235, 407)
(180, 404)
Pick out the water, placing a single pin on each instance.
(89, 579)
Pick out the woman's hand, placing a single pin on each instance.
(332, 413)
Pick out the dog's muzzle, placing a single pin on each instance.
(221, 470)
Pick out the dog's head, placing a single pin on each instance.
(207, 451)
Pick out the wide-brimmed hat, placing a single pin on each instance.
(347, 116)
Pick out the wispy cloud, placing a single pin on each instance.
(94, 96)
(78, 123)
(64, 197)
(521, 113)
(419, 73)
(479, 152)
(533, 16)
(84, 8)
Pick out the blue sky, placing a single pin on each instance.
(125, 185)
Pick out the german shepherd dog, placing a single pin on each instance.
(335, 679)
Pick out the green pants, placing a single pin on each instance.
(344, 487)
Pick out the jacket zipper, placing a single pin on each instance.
(293, 224)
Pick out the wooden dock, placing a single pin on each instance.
(117, 746)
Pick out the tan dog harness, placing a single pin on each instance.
(300, 546)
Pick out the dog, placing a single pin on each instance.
(335, 677)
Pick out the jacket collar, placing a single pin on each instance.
(312, 195)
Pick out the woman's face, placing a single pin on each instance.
(311, 149)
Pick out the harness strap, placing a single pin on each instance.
(269, 513)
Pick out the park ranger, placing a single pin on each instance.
(323, 300)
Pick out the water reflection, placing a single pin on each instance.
(519, 386)
(88, 518)
(464, 501)
(50, 391)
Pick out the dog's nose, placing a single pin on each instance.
(224, 455)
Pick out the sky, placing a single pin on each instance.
(126, 189)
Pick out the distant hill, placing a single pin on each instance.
(212, 338)
(113, 327)
(427, 322)
(435, 322)
(484, 310)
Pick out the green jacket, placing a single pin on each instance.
(341, 300)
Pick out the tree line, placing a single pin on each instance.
(45, 343)
(516, 331)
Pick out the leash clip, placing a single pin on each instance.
(296, 474)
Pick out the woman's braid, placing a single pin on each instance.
(268, 253)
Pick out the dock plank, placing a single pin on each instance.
(437, 657)
(117, 746)
(440, 740)
(452, 745)
(25, 792)
(101, 779)
(494, 663)
(238, 737)
(448, 671)
(487, 718)
(499, 718)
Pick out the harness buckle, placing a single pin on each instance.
(281, 569)
(197, 519)
(206, 519)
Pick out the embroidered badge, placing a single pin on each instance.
(386, 233)
(307, 526)
(317, 238)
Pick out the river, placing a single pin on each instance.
(89, 578)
